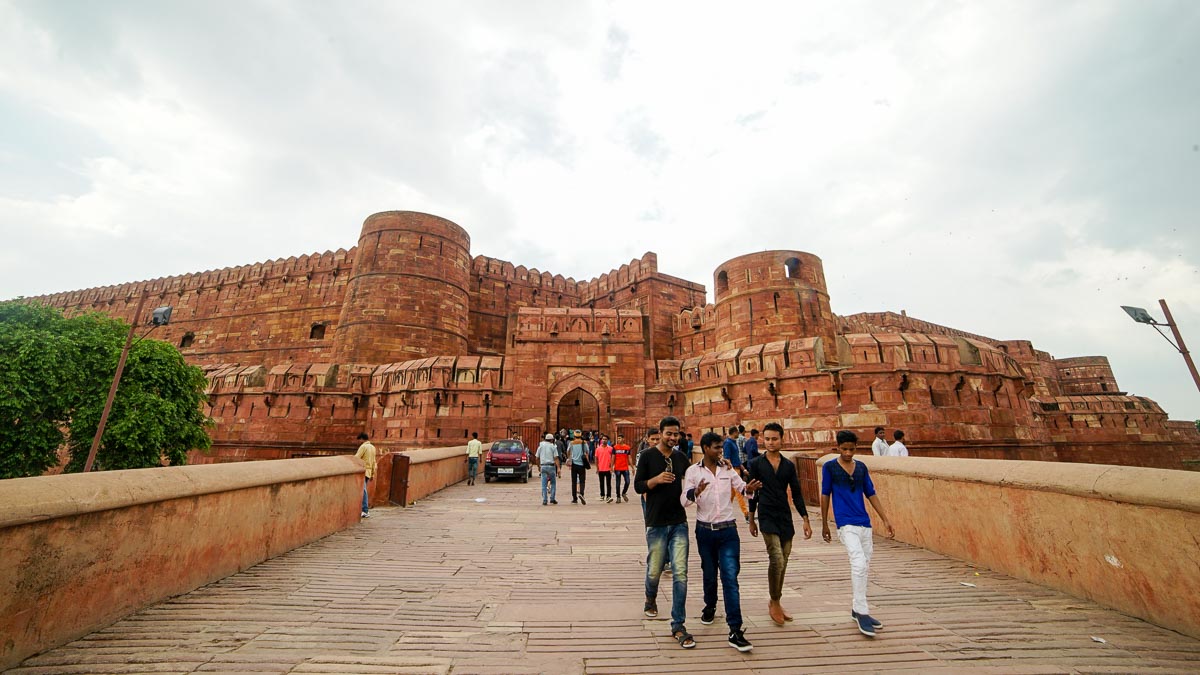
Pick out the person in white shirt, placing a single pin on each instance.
(709, 486)
(898, 449)
(880, 447)
(548, 467)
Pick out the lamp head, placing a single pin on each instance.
(161, 316)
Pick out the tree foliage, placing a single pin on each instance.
(55, 374)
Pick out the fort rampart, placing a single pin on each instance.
(1105, 533)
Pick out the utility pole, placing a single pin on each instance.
(1187, 357)
(112, 391)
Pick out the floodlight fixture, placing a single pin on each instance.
(161, 316)
(1139, 315)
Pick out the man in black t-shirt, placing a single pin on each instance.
(659, 478)
(777, 474)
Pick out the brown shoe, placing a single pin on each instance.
(786, 616)
(776, 612)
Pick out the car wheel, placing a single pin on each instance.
(525, 477)
(487, 478)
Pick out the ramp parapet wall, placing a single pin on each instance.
(1123, 537)
(80, 551)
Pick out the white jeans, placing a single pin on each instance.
(859, 544)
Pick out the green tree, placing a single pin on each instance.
(52, 391)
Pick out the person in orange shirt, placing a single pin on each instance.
(621, 453)
(604, 467)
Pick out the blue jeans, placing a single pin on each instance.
(617, 476)
(548, 476)
(721, 550)
(472, 467)
(365, 484)
(669, 541)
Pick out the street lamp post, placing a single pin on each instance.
(162, 316)
(1142, 316)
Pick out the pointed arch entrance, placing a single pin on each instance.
(578, 409)
(578, 401)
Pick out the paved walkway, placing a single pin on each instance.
(457, 585)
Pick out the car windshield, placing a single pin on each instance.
(508, 446)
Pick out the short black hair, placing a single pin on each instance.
(732, 430)
(846, 436)
(773, 426)
(754, 432)
(710, 439)
(474, 434)
(878, 429)
(363, 436)
(668, 421)
(898, 434)
(741, 429)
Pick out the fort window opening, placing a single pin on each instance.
(722, 281)
(792, 266)
(187, 340)
(317, 332)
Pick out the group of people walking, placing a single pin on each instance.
(612, 467)
(671, 484)
(746, 470)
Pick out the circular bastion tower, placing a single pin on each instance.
(407, 294)
(771, 296)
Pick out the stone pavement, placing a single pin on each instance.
(456, 585)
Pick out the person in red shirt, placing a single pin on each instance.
(604, 467)
(621, 454)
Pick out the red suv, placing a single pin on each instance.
(507, 459)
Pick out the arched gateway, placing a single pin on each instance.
(578, 402)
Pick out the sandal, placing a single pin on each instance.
(684, 639)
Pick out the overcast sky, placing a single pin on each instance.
(1013, 169)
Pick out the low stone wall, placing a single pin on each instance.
(1125, 537)
(80, 551)
(432, 469)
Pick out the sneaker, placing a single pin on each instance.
(544, 502)
(737, 640)
(582, 500)
(365, 514)
(575, 500)
(876, 623)
(651, 609)
(554, 502)
(864, 625)
(708, 616)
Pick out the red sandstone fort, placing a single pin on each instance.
(410, 337)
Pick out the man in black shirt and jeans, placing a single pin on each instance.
(660, 471)
(777, 474)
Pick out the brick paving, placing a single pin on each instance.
(454, 585)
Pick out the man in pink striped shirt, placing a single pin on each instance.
(710, 486)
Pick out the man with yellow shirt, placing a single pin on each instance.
(366, 452)
(474, 449)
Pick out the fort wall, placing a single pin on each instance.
(260, 313)
(1022, 519)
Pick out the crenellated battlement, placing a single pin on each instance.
(495, 268)
(636, 270)
(250, 277)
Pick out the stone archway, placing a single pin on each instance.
(578, 409)
(592, 411)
